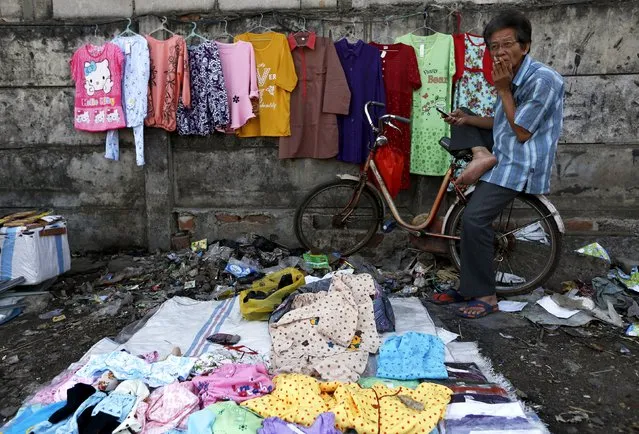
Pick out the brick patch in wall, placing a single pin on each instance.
(581, 225)
(234, 218)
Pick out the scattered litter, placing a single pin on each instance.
(512, 306)
(12, 360)
(199, 246)
(59, 318)
(238, 268)
(574, 416)
(624, 350)
(222, 292)
(409, 290)
(553, 308)
(505, 336)
(50, 314)
(190, 284)
(316, 261)
(595, 250)
(633, 330)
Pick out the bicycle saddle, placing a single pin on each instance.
(460, 154)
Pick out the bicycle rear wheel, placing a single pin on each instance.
(527, 244)
(318, 222)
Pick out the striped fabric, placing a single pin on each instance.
(539, 98)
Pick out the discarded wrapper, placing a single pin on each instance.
(190, 284)
(59, 318)
(199, 246)
(633, 329)
(596, 250)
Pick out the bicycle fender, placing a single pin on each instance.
(542, 198)
(377, 193)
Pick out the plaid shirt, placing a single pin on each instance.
(539, 93)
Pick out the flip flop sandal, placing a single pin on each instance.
(488, 309)
(449, 296)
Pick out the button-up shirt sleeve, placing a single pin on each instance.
(337, 95)
(541, 97)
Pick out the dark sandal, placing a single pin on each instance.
(488, 309)
(449, 296)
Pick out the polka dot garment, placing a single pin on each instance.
(328, 334)
(301, 399)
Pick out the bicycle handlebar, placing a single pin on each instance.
(383, 118)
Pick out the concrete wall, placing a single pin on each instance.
(233, 185)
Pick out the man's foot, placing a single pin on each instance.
(483, 160)
(479, 307)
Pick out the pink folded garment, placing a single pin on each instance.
(233, 382)
(168, 408)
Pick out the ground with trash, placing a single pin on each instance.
(579, 376)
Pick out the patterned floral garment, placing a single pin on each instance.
(473, 90)
(209, 105)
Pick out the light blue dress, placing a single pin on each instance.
(135, 83)
(412, 356)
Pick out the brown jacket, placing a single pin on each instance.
(321, 93)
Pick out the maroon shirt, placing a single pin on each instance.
(321, 93)
(401, 78)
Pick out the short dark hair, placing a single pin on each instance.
(510, 19)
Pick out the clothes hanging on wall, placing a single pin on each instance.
(473, 77)
(209, 105)
(240, 80)
(97, 72)
(401, 79)
(321, 94)
(134, 95)
(276, 80)
(436, 60)
(363, 68)
(170, 79)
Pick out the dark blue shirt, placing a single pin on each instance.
(363, 68)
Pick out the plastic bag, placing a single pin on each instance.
(265, 295)
(390, 163)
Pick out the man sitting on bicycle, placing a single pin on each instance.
(526, 128)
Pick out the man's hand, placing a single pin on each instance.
(457, 117)
(502, 75)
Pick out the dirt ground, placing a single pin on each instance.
(564, 373)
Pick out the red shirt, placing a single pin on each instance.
(401, 78)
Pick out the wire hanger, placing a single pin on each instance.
(128, 30)
(162, 27)
(302, 35)
(424, 26)
(226, 34)
(260, 26)
(195, 35)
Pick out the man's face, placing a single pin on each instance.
(505, 48)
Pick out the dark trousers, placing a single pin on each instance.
(477, 238)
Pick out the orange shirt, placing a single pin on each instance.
(276, 80)
(169, 78)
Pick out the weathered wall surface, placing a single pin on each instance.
(233, 185)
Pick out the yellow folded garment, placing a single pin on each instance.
(301, 399)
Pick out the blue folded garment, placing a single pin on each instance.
(412, 356)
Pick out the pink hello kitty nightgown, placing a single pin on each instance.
(97, 72)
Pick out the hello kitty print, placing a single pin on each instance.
(97, 72)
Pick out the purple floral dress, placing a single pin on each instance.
(209, 104)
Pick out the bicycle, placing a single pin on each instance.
(343, 215)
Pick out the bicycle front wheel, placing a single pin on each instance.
(527, 244)
(329, 221)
